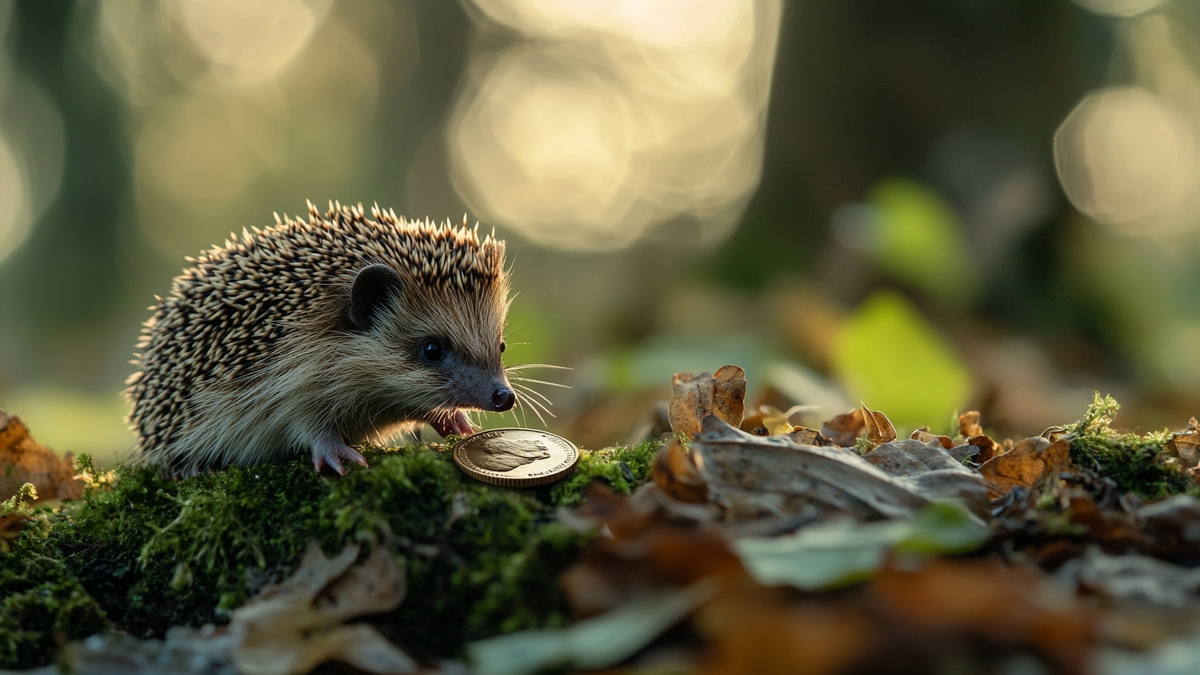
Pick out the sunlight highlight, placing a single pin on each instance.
(608, 119)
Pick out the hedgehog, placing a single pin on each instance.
(309, 337)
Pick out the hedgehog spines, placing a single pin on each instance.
(227, 312)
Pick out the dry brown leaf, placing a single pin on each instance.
(24, 460)
(968, 424)
(902, 621)
(1186, 445)
(1027, 462)
(655, 544)
(923, 434)
(1007, 607)
(759, 632)
(879, 427)
(693, 398)
(292, 627)
(844, 429)
(675, 471)
(988, 448)
(729, 394)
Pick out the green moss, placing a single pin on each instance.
(150, 552)
(41, 601)
(1137, 464)
(621, 468)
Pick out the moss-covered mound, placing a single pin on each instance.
(148, 552)
(1137, 464)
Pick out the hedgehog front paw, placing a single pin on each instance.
(330, 449)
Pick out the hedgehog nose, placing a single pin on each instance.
(503, 399)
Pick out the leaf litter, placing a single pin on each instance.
(850, 549)
(781, 548)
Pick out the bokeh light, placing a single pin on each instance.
(1120, 8)
(14, 202)
(246, 41)
(902, 194)
(1125, 155)
(606, 119)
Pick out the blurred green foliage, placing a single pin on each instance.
(892, 360)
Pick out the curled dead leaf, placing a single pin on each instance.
(879, 428)
(693, 398)
(968, 424)
(1027, 462)
(675, 471)
(1185, 445)
(988, 448)
(295, 626)
(844, 429)
(923, 434)
(24, 460)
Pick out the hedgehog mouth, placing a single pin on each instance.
(451, 422)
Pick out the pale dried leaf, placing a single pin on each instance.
(878, 427)
(753, 477)
(691, 402)
(729, 394)
(923, 434)
(929, 469)
(694, 398)
(294, 626)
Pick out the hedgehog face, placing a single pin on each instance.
(439, 346)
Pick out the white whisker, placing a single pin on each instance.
(530, 390)
(536, 411)
(548, 384)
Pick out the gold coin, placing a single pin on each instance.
(516, 457)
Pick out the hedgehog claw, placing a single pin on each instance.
(330, 449)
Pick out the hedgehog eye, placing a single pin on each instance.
(432, 351)
(502, 346)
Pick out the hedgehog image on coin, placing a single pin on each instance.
(311, 336)
(499, 454)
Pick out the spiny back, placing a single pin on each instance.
(226, 313)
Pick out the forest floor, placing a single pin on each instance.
(734, 542)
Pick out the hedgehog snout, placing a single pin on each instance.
(503, 399)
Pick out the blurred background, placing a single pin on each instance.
(928, 206)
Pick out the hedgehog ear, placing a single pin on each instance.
(373, 286)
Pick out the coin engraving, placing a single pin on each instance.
(501, 454)
(516, 457)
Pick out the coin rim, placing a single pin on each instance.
(505, 481)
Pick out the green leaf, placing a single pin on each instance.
(841, 552)
(921, 240)
(890, 358)
(595, 643)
